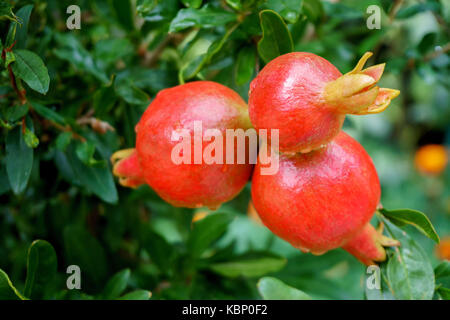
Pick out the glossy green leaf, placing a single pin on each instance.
(97, 180)
(137, 295)
(83, 250)
(251, 265)
(273, 289)
(206, 17)
(30, 68)
(288, 9)
(235, 4)
(85, 152)
(245, 65)
(415, 218)
(41, 268)
(442, 270)
(21, 32)
(206, 231)
(48, 113)
(7, 289)
(116, 285)
(192, 3)
(70, 49)
(19, 160)
(409, 271)
(276, 39)
(128, 91)
(144, 7)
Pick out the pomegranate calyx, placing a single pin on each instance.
(126, 168)
(356, 92)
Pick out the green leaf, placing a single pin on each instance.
(15, 113)
(97, 180)
(7, 289)
(249, 265)
(6, 11)
(83, 250)
(144, 7)
(160, 251)
(313, 9)
(22, 29)
(137, 295)
(192, 3)
(19, 160)
(374, 293)
(444, 293)
(116, 285)
(276, 39)
(273, 289)
(63, 140)
(194, 66)
(128, 91)
(442, 270)
(415, 218)
(288, 9)
(123, 10)
(30, 138)
(71, 50)
(245, 65)
(206, 231)
(407, 12)
(235, 4)
(409, 271)
(85, 152)
(30, 68)
(206, 17)
(41, 268)
(48, 113)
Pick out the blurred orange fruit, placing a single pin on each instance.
(431, 159)
(443, 249)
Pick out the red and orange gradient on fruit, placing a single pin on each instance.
(191, 184)
(323, 200)
(306, 98)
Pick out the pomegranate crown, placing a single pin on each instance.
(356, 92)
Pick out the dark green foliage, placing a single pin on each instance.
(70, 98)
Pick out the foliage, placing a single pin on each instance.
(69, 98)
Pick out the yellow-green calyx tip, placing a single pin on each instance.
(356, 92)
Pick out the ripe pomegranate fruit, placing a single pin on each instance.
(323, 200)
(193, 183)
(306, 98)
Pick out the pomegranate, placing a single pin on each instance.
(323, 200)
(192, 183)
(306, 98)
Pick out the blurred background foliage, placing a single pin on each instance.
(55, 180)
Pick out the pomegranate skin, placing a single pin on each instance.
(306, 98)
(320, 200)
(175, 109)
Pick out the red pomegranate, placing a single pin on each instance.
(192, 183)
(306, 98)
(323, 200)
